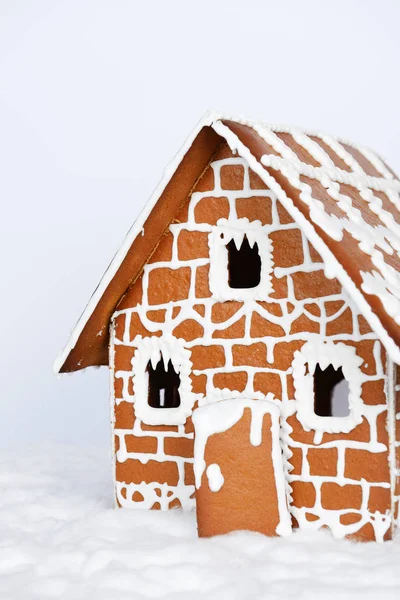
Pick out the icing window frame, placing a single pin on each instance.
(338, 355)
(153, 349)
(224, 232)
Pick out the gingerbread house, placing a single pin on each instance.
(251, 324)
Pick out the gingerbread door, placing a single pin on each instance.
(238, 468)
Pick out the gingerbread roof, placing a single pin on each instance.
(345, 199)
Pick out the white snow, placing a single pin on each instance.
(61, 538)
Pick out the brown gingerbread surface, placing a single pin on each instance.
(251, 352)
(238, 488)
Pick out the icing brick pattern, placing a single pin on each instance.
(246, 348)
(350, 195)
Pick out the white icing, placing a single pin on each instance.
(153, 493)
(293, 169)
(215, 478)
(111, 354)
(154, 349)
(324, 354)
(375, 284)
(220, 236)
(381, 522)
(395, 417)
(327, 173)
(331, 518)
(210, 420)
(391, 428)
(376, 162)
(290, 309)
(220, 417)
(136, 229)
(249, 308)
(341, 151)
(371, 239)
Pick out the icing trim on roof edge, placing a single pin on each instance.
(332, 266)
(133, 232)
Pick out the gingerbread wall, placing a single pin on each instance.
(397, 448)
(247, 348)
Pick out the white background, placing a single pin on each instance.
(95, 99)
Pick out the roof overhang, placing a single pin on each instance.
(88, 343)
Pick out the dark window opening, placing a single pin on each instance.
(163, 386)
(244, 265)
(331, 393)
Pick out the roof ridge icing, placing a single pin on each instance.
(292, 130)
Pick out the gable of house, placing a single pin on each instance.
(346, 200)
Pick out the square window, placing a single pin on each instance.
(161, 381)
(241, 260)
(164, 385)
(331, 392)
(244, 265)
(327, 381)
